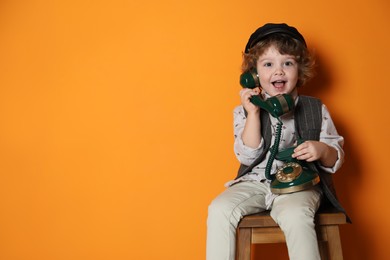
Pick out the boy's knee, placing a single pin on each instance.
(224, 211)
(218, 208)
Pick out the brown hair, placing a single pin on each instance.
(285, 45)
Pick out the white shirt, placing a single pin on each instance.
(246, 155)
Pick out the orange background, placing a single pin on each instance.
(116, 121)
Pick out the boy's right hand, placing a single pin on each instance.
(246, 94)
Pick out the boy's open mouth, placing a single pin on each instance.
(279, 83)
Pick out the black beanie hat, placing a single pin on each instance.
(271, 28)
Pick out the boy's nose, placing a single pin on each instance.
(279, 71)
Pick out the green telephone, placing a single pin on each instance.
(294, 175)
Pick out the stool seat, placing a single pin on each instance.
(260, 228)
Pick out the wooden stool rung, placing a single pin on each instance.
(267, 235)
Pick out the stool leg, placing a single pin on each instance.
(334, 242)
(244, 242)
(323, 247)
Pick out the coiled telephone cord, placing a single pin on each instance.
(274, 150)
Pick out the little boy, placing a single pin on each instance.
(278, 55)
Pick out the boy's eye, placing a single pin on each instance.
(289, 63)
(267, 64)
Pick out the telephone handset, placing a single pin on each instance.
(276, 106)
(294, 175)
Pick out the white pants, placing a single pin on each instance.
(293, 212)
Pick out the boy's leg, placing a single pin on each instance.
(225, 211)
(295, 215)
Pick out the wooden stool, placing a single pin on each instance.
(261, 229)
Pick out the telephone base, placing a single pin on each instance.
(284, 188)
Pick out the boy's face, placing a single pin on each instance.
(278, 73)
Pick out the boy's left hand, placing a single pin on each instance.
(310, 151)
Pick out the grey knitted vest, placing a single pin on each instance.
(308, 121)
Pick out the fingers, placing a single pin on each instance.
(246, 95)
(304, 157)
(247, 92)
(308, 151)
(304, 152)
